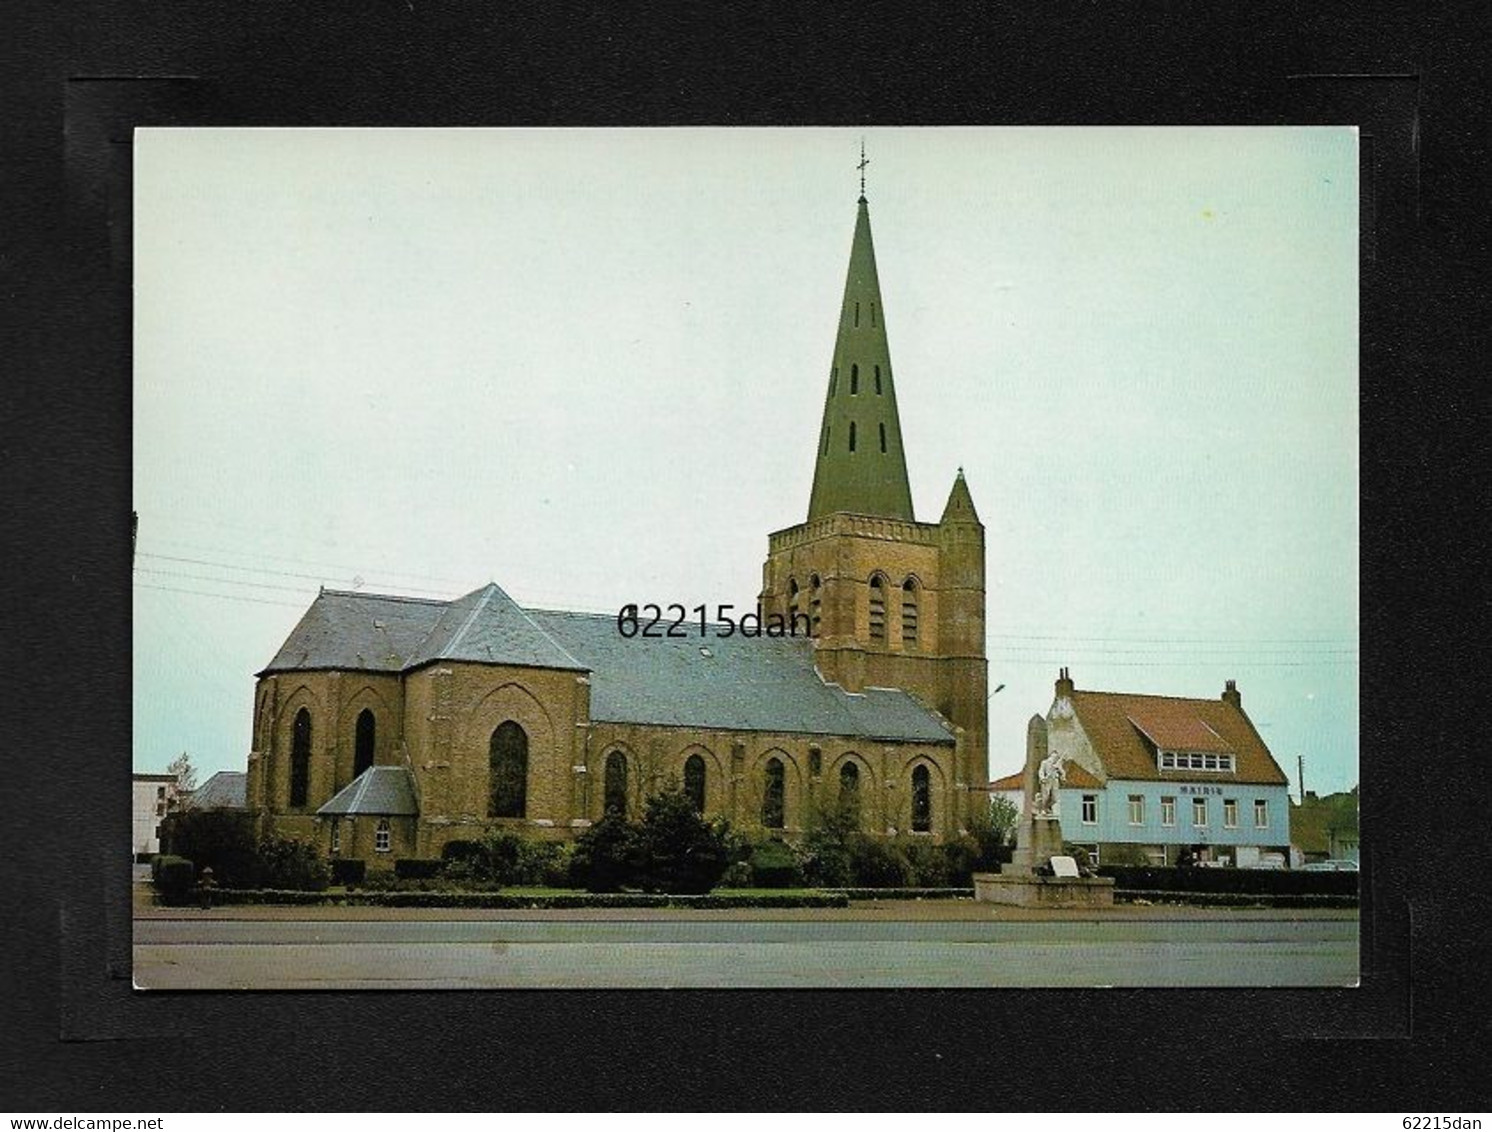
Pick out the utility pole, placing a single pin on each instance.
(1300, 777)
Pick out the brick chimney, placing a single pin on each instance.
(1231, 696)
(1064, 683)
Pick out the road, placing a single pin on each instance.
(217, 952)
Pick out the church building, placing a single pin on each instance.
(386, 726)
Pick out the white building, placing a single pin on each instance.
(154, 797)
(1149, 775)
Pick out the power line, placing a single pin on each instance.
(221, 581)
(1180, 640)
(225, 597)
(356, 579)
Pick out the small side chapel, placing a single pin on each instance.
(386, 726)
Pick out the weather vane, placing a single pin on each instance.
(864, 161)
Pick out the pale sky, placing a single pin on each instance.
(589, 365)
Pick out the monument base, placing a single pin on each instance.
(1038, 840)
(1044, 892)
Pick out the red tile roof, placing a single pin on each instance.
(1073, 775)
(1118, 723)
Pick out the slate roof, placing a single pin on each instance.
(735, 683)
(1112, 721)
(380, 791)
(225, 790)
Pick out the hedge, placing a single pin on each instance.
(347, 871)
(174, 878)
(1246, 882)
(515, 900)
(907, 893)
(1238, 899)
(418, 868)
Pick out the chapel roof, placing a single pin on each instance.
(1126, 729)
(225, 790)
(733, 683)
(380, 791)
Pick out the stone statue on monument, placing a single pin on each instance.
(1049, 778)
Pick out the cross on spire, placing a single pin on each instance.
(864, 161)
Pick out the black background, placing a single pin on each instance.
(79, 77)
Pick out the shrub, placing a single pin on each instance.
(1256, 882)
(289, 864)
(679, 850)
(220, 839)
(348, 872)
(1131, 855)
(462, 851)
(774, 865)
(174, 878)
(736, 875)
(606, 855)
(929, 862)
(417, 868)
(826, 854)
(875, 863)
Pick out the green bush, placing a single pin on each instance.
(174, 878)
(348, 872)
(289, 864)
(433, 899)
(876, 863)
(775, 865)
(928, 861)
(417, 868)
(222, 840)
(826, 855)
(736, 875)
(607, 855)
(680, 851)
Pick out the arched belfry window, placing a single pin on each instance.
(909, 614)
(878, 381)
(849, 793)
(507, 760)
(363, 742)
(854, 380)
(921, 800)
(815, 604)
(774, 794)
(877, 608)
(614, 785)
(694, 782)
(300, 757)
(794, 607)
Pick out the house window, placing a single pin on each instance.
(1090, 809)
(878, 381)
(336, 837)
(300, 757)
(362, 757)
(507, 764)
(849, 793)
(1167, 760)
(909, 614)
(1210, 762)
(1261, 814)
(877, 608)
(160, 809)
(774, 795)
(381, 836)
(1168, 811)
(1230, 813)
(1199, 812)
(694, 782)
(157, 833)
(160, 791)
(614, 787)
(854, 380)
(921, 800)
(1136, 809)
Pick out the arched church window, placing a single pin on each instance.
(909, 614)
(774, 795)
(921, 800)
(362, 753)
(849, 793)
(300, 757)
(878, 381)
(852, 436)
(815, 604)
(694, 782)
(877, 608)
(507, 762)
(883, 436)
(854, 379)
(614, 785)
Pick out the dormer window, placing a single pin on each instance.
(1197, 760)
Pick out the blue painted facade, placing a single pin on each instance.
(1113, 824)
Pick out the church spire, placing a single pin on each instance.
(861, 465)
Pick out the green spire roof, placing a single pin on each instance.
(861, 465)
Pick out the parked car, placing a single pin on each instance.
(1334, 865)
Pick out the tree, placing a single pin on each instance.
(681, 851)
(186, 778)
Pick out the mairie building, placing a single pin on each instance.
(386, 726)
(1150, 776)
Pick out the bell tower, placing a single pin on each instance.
(890, 602)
